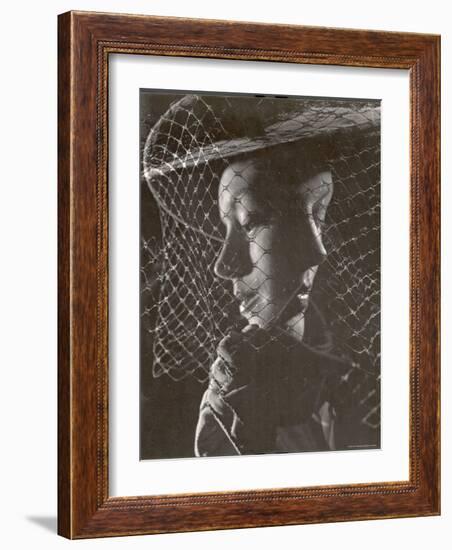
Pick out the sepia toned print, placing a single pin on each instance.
(260, 274)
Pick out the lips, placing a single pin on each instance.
(248, 300)
(248, 306)
(256, 305)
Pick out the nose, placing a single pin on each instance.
(234, 260)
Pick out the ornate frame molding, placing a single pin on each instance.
(85, 42)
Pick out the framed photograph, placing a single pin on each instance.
(248, 275)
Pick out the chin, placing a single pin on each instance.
(262, 321)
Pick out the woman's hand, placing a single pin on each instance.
(235, 401)
(261, 380)
(256, 384)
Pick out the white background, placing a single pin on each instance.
(28, 275)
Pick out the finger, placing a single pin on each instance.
(221, 374)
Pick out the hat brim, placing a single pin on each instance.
(297, 128)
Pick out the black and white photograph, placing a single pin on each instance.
(225, 230)
(259, 274)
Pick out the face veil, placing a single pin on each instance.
(186, 309)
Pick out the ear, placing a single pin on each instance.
(315, 195)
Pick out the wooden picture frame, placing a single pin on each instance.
(86, 40)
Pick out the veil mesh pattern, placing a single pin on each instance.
(186, 310)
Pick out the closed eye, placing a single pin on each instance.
(255, 220)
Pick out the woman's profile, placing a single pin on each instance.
(257, 330)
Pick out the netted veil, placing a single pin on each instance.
(187, 309)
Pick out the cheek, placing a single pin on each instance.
(263, 247)
(271, 252)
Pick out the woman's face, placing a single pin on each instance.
(270, 252)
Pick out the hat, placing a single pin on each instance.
(203, 133)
